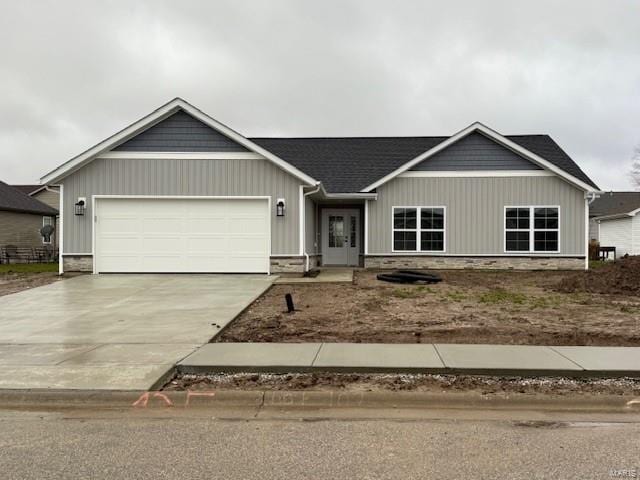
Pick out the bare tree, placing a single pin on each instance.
(635, 169)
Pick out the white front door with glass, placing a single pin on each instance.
(340, 237)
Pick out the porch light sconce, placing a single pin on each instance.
(280, 207)
(81, 206)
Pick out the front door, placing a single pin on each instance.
(340, 237)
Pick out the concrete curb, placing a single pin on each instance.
(292, 399)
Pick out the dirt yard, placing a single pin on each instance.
(467, 307)
(18, 277)
(408, 383)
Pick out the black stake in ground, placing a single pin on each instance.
(289, 299)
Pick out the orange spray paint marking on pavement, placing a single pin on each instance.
(144, 399)
(197, 394)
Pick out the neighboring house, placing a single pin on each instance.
(177, 191)
(615, 221)
(47, 195)
(22, 217)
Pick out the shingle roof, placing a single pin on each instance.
(14, 200)
(349, 164)
(28, 189)
(614, 203)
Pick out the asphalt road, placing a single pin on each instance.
(344, 443)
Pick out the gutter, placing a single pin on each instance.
(303, 206)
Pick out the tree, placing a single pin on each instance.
(635, 169)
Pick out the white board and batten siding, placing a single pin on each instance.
(181, 235)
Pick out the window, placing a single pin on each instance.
(47, 221)
(418, 229)
(336, 231)
(532, 229)
(545, 229)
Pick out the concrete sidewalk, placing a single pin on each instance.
(523, 360)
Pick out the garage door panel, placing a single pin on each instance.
(247, 225)
(247, 245)
(121, 224)
(182, 235)
(162, 244)
(208, 244)
(205, 225)
(110, 245)
(160, 224)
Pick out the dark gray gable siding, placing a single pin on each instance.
(180, 133)
(475, 152)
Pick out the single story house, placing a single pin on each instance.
(178, 191)
(615, 221)
(21, 219)
(47, 195)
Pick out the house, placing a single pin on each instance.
(615, 221)
(178, 191)
(47, 195)
(22, 217)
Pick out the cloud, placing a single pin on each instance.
(73, 73)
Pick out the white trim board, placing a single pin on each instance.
(182, 155)
(493, 135)
(476, 173)
(152, 119)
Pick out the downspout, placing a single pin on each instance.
(589, 199)
(304, 216)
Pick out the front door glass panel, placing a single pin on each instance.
(336, 231)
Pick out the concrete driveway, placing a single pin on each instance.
(119, 332)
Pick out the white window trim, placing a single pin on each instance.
(531, 229)
(52, 221)
(419, 230)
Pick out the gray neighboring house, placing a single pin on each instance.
(22, 217)
(47, 195)
(177, 191)
(615, 221)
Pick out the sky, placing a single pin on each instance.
(74, 72)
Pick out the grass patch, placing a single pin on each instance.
(502, 296)
(414, 292)
(549, 301)
(28, 267)
(456, 296)
(595, 264)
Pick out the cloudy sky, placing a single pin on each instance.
(72, 73)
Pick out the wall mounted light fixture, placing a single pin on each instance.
(81, 206)
(280, 207)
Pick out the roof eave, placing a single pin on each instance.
(153, 118)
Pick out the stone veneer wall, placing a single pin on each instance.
(287, 264)
(488, 263)
(84, 263)
(77, 263)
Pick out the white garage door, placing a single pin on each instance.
(181, 235)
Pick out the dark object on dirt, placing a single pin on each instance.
(621, 277)
(311, 273)
(409, 276)
(289, 299)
